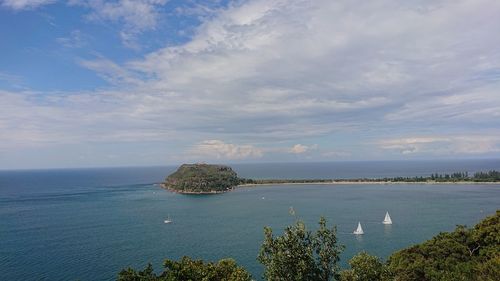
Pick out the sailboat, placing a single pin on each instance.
(387, 219)
(359, 230)
(168, 220)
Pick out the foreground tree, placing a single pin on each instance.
(365, 267)
(464, 254)
(300, 254)
(188, 269)
(130, 274)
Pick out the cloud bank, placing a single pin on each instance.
(300, 148)
(219, 149)
(362, 79)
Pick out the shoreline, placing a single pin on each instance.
(333, 182)
(353, 182)
(163, 186)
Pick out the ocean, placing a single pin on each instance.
(88, 224)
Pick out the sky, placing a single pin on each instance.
(87, 83)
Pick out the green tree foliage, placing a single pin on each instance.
(202, 178)
(188, 269)
(489, 270)
(487, 176)
(464, 254)
(130, 274)
(300, 254)
(365, 267)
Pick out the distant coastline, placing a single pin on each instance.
(359, 182)
(491, 177)
(207, 179)
(326, 182)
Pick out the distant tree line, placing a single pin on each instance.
(491, 176)
(487, 176)
(466, 254)
(279, 181)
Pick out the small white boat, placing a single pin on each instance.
(168, 220)
(359, 230)
(387, 219)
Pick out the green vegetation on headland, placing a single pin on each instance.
(466, 254)
(202, 178)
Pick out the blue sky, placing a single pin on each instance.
(153, 82)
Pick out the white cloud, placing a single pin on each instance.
(303, 59)
(111, 72)
(136, 15)
(76, 39)
(444, 145)
(220, 149)
(476, 144)
(413, 145)
(14, 81)
(476, 104)
(25, 4)
(300, 148)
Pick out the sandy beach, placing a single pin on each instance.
(371, 182)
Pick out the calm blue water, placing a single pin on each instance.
(88, 224)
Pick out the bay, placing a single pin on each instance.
(88, 224)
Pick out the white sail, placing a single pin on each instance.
(387, 219)
(359, 230)
(168, 220)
